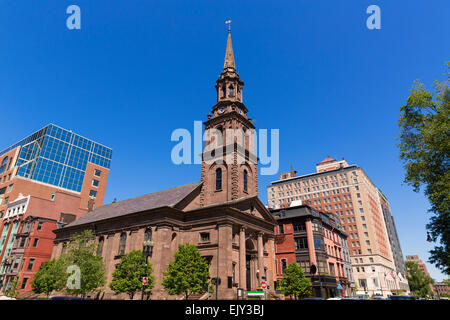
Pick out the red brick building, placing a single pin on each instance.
(309, 237)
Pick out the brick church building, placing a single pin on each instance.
(222, 214)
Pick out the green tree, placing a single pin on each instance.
(13, 290)
(188, 274)
(81, 252)
(418, 281)
(127, 277)
(424, 149)
(51, 277)
(294, 283)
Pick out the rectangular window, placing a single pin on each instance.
(35, 243)
(10, 188)
(95, 183)
(301, 243)
(281, 227)
(24, 283)
(317, 243)
(39, 227)
(93, 193)
(30, 264)
(283, 265)
(204, 237)
(53, 197)
(97, 173)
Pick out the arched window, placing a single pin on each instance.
(231, 91)
(101, 240)
(122, 244)
(245, 180)
(219, 179)
(148, 235)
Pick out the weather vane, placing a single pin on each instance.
(228, 22)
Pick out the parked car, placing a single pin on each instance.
(65, 298)
(401, 298)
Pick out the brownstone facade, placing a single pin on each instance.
(222, 214)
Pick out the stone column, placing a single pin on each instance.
(242, 267)
(260, 258)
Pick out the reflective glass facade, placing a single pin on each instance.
(59, 157)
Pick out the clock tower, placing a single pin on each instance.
(229, 165)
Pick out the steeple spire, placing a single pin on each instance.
(229, 56)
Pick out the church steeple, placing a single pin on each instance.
(229, 86)
(229, 56)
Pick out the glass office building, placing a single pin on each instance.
(58, 157)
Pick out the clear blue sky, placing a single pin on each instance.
(137, 70)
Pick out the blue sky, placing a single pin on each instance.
(137, 70)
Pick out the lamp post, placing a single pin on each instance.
(147, 251)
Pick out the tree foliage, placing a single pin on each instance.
(50, 277)
(294, 283)
(13, 290)
(188, 274)
(81, 252)
(419, 282)
(127, 277)
(424, 149)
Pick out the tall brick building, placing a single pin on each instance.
(50, 177)
(346, 192)
(222, 214)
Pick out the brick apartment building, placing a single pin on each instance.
(49, 177)
(222, 214)
(346, 192)
(309, 237)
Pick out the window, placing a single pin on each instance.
(30, 264)
(6, 200)
(371, 260)
(231, 91)
(281, 227)
(3, 165)
(22, 242)
(95, 183)
(24, 283)
(283, 265)
(101, 241)
(10, 187)
(204, 237)
(245, 180)
(122, 244)
(317, 243)
(219, 179)
(148, 235)
(301, 243)
(97, 173)
(53, 196)
(35, 243)
(39, 227)
(93, 193)
(233, 272)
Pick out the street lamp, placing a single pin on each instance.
(147, 251)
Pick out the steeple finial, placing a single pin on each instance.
(229, 56)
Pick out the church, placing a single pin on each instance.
(221, 214)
